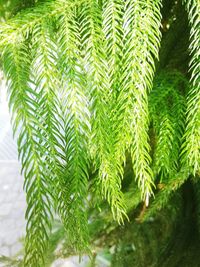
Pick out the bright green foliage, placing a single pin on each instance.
(141, 26)
(191, 148)
(76, 131)
(100, 96)
(80, 75)
(24, 105)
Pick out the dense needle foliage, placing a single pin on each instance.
(80, 76)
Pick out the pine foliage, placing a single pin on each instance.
(23, 101)
(168, 127)
(168, 123)
(191, 148)
(80, 78)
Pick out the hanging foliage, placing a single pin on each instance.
(80, 78)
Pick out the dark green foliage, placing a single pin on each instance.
(168, 123)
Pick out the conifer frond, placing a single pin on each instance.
(141, 38)
(113, 30)
(168, 122)
(23, 101)
(102, 137)
(80, 74)
(24, 21)
(76, 118)
(169, 126)
(164, 147)
(191, 147)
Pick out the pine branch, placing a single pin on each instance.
(142, 38)
(24, 22)
(163, 164)
(113, 30)
(96, 66)
(80, 74)
(168, 122)
(191, 147)
(76, 119)
(23, 101)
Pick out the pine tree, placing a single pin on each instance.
(91, 95)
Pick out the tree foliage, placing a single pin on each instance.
(80, 76)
